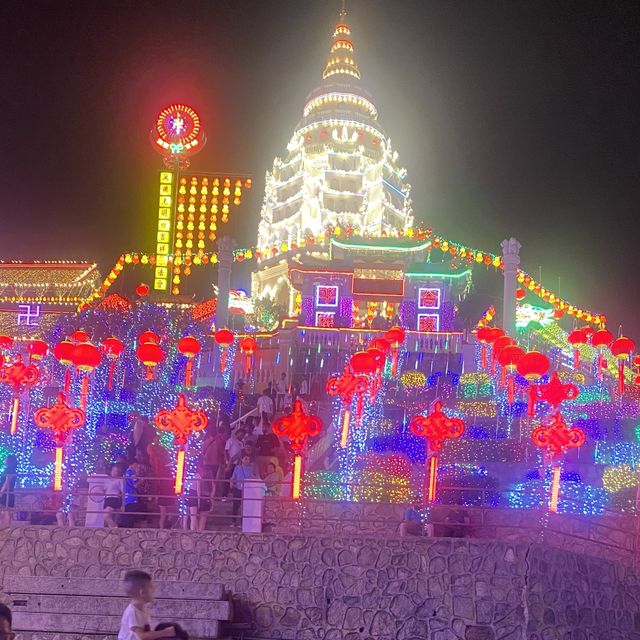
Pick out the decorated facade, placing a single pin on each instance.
(534, 405)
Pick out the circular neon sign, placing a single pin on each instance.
(178, 129)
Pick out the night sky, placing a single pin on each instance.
(512, 118)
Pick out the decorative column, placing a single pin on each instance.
(226, 245)
(511, 259)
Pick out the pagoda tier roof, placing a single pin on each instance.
(65, 278)
(346, 263)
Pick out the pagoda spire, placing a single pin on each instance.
(341, 59)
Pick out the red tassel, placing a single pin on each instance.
(483, 354)
(223, 359)
(359, 407)
(620, 376)
(493, 362)
(149, 373)
(510, 390)
(112, 368)
(394, 363)
(84, 392)
(67, 381)
(503, 376)
(576, 358)
(248, 367)
(187, 373)
(532, 403)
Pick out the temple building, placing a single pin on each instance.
(340, 171)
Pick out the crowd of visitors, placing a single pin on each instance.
(143, 484)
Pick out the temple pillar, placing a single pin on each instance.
(226, 245)
(511, 260)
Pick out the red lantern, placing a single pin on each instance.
(248, 346)
(508, 359)
(61, 419)
(20, 376)
(532, 366)
(621, 349)
(493, 333)
(556, 438)
(151, 355)
(142, 290)
(482, 336)
(498, 345)
(37, 349)
(112, 348)
(363, 362)
(297, 427)
(80, 336)
(382, 344)
(181, 421)
(346, 386)
(520, 293)
(396, 337)
(436, 428)
(148, 336)
(601, 340)
(576, 338)
(190, 348)
(558, 314)
(225, 339)
(63, 353)
(86, 357)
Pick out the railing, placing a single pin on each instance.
(610, 535)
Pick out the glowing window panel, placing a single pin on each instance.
(428, 322)
(326, 296)
(325, 319)
(428, 298)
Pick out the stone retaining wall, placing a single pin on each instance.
(321, 587)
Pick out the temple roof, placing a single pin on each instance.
(64, 278)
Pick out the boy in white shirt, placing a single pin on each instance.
(136, 622)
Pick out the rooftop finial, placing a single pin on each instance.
(343, 10)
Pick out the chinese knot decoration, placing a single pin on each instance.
(555, 392)
(436, 428)
(20, 376)
(297, 427)
(556, 438)
(61, 419)
(181, 421)
(346, 385)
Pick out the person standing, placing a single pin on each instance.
(212, 457)
(113, 494)
(304, 388)
(265, 410)
(281, 391)
(245, 470)
(233, 449)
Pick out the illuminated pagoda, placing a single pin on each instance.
(340, 170)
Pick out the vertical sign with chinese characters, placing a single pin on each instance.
(163, 238)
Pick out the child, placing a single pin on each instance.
(136, 622)
(113, 493)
